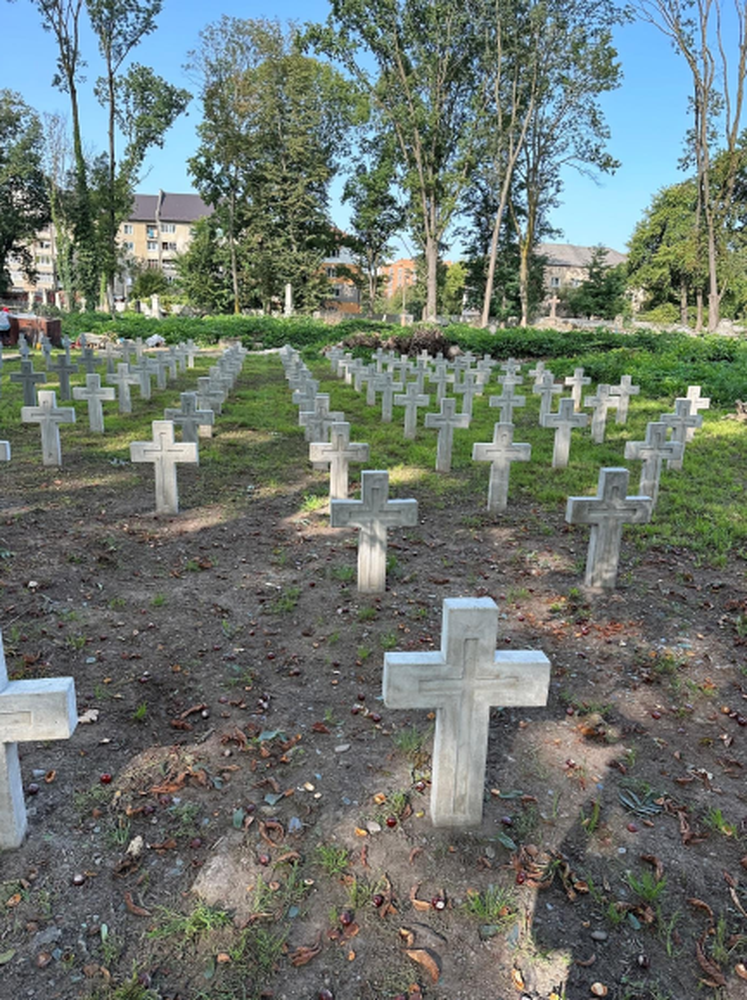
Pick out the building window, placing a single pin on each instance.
(151, 232)
(128, 229)
(575, 282)
(152, 265)
(554, 282)
(168, 246)
(331, 272)
(129, 245)
(168, 227)
(45, 245)
(153, 245)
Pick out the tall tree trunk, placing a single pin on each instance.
(111, 235)
(684, 319)
(699, 311)
(232, 247)
(431, 287)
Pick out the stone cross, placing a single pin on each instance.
(157, 367)
(63, 368)
(370, 379)
(46, 349)
(122, 379)
(318, 420)
(28, 379)
(564, 421)
(30, 711)
(411, 399)
(624, 391)
(697, 403)
(501, 452)
(507, 403)
(577, 381)
(189, 417)
(191, 351)
(554, 302)
(209, 397)
(607, 512)
(23, 348)
(304, 397)
(112, 354)
(467, 388)
(172, 361)
(546, 389)
(128, 349)
(49, 416)
(446, 422)
(88, 360)
(143, 373)
(373, 514)
(386, 385)
(652, 452)
(511, 368)
(338, 453)
(462, 682)
(165, 453)
(95, 395)
(441, 377)
(680, 422)
(537, 372)
(4, 451)
(602, 402)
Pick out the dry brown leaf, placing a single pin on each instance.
(419, 904)
(741, 970)
(364, 856)
(517, 979)
(414, 853)
(587, 962)
(266, 828)
(14, 900)
(195, 708)
(133, 908)
(716, 978)
(700, 905)
(49, 777)
(428, 959)
(657, 865)
(305, 953)
(222, 958)
(408, 936)
(288, 856)
(319, 727)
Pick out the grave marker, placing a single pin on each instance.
(63, 368)
(507, 402)
(546, 389)
(338, 453)
(164, 453)
(122, 379)
(564, 421)
(411, 399)
(95, 395)
(697, 403)
(27, 378)
(386, 385)
(189, 417)
(624, 390)
(49, 417)
(652, 452)
(680, 422)
(446, 422)
(577, 381)
(462, 683)
(602, 402)
(607, 512)
(501, 452)
(373, 514)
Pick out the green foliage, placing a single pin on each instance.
(601, 295)
(333, 860)
(494, 905)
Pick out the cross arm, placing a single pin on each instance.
(38, 710)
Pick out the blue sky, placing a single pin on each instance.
(647, 114)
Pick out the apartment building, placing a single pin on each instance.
(159, 228)
(568, 265)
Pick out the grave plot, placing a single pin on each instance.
(240, 809)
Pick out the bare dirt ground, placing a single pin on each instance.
(241, 753)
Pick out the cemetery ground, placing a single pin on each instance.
(239, 815)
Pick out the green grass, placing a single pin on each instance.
(202, 919)
(333, 860)
(492, 905)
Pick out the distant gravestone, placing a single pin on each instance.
(462, 683)
(88, 360)
(23, 348)
(208, 398)
(441, 378)
(411, 399)
(467, 388)
(602, 402)
(318, 420)
(511, 368)
(652, 452)
(164, 453)
(338, 453)
(122, 379)
(576, 383)
(546, 389)
(501, 452)
(607, 512)
(564, 421)
(4, 451)
(386, 385)
(446, 422)
(680, 422)
(143, 372)
(507, 402)
(63, 368)
(28, 379)
(189, 417)
(624, 390)
(697, 403)
(30, 711)
(49, 416)
(373, 514)
(537, 372)
(95, 395)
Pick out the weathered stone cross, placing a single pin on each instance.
(576, 382)
(386, 385)
(697, 403)
(122, 379)
(462, 682)
(338, 453)
(63, 367)
(602, 402)
(95, 395)
(500, 453)
(607, 512)
(165, 453)
(507, 402)
(411, 399)
(373, 514)
(49, 416)
(564, 421)
(653, 451)
(680, 422)
(624, 390)
(447, 421)
(546, 389)
(28, 378)
(37, 710)
(189, 417)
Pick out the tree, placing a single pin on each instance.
(377, 214)
(427, 89)
(601, 294)
(696, 30)
(24, 205)
(204, 269)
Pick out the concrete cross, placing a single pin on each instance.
(697, 403)
(467, 388)
(386, 385)
(143, 372)
(191, 351)
(157, 367)
(360, 375)
(164, 453)
(28, 378)
(318, 420)
(546, 389)
(462, 682)
(122, 379)
(172, 362)
(507, 402)
(411, 399)
(537, 372)
(576, 382)
(338, 453)
(304, 397)
(441, 377)
(446, 422)
(63, 368)
(30, 711)
(209, 398)
(652, 452)
(88, 359)
(602, 402)
(139, 348)
(49, 416)
(511, 369)
(111, 357)
(189, 417)
(607, 512)
(373, 514)
(624, 391)
(564, 421)
(680, 422)
(4, 451)
(95, 395)
(46, 349)
(554, 302)
(23, 348)
(501, 452)
(335, 353)
(351, 369)
(127, 348)
(420, 370)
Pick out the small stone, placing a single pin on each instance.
(373, 827)
(599, 935)
(342, 748)
(43, 959)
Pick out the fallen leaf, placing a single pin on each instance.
(319, 727)
(222, 958)
(741, 970)
(266, 828)
(414, 853)
(716, 978)
(586, 963)
(700, 905)
(364, 856)
(136, 911)
(305, 953)
(517, 979)
(419, 904)
(14, 900)
(428, 959)
(657, 865)
(6, 956)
